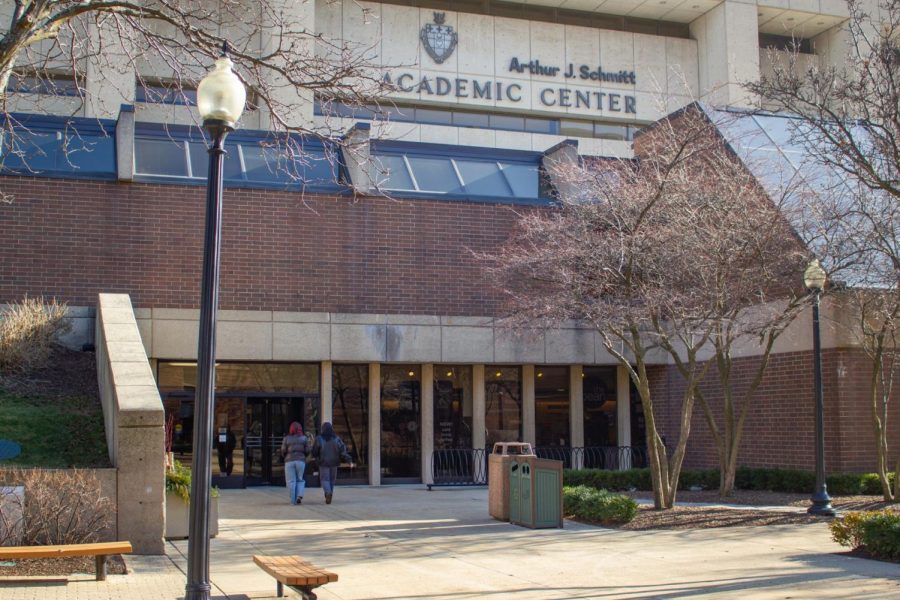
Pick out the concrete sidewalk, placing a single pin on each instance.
(405, 542)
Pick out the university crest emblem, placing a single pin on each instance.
(439, 39)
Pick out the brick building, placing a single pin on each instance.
(341, 304)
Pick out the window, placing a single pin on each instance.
(350, 414)
(181, 153)
(551, 397)
(401, 416)
(165, 93)
(428, 169)
(600, 406)
(58, 146)
(51, 84)
(503, 404)
(452, 406)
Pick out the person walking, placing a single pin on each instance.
(225, 445)
(328, 451)
(294, 448)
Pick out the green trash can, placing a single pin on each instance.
(535, 499)
(515, 491)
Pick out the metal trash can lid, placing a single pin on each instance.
(513, 448)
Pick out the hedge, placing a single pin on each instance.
(774, 480)
(598, 506)
(877, 532)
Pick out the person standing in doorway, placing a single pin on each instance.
(225, 445)
(294, 448)
(328, 451)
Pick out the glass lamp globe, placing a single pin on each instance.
(814, 276)
(221, 95)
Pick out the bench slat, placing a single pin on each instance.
(98, 549)
(294, 570)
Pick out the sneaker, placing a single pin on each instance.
(299, 500)
(327, 498)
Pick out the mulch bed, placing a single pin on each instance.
(68, 373)
(705, 517)
(748, 497)
(861, 552)
(60, 566)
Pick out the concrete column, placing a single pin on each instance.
(728, 52)
(427, 425)
(374, 424)
(576, 413)
(479, 431)
(529, 432)
(326, 400)
(623, 413)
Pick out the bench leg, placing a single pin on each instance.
(100, 561)
(305, 591)
(279, 589)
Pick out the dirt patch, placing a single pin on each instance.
(705, 517)
(115, 565)
(861, 552)
(68, 373)
(755, 498)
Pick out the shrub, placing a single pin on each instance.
(847, 530)
(28, 330)
(178, 481)
(881, 535)
(58, 507)
(600, 506)
(706, 479)
(877, 532)
(632, 479)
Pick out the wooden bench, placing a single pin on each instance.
(100, 551)
(296, 573)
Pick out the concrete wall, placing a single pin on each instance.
(135, 424)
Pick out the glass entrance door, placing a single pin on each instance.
(401, 447)
(267, 421)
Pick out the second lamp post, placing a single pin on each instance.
(220, 100)
(814, 277)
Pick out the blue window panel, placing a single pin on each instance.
(319, 169)
(483, 178)
(160, 94)
(231, 170)
(88, 154)
(35, 152)
(160, 157)
(392, 173)
(261, 164)
(523, 179)
(435, 175)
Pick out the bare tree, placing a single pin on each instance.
(849, 124)
(51, 51)
(663, 255)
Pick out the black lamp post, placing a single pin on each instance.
(814, 277)
(220, 99)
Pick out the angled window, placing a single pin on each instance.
(58, 146)
(457, 172)
(252, 160)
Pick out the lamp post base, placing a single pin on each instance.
(821, 505)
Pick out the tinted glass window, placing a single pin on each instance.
(610, 132)
(600, 407)
(32, 152)
(576, 128)
(483, 178)
(452, 406)
(260, 164)
(541, 125)
(435, 174)
(508, 123)
(503, 405)
(464, 119)
(393, 174)
(523, 179)
(350, 414)
(200, 161)
(551, 397)
(400, 421)
(436, 117)
(160, 157)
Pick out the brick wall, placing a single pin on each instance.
(280, 251)
(780, 427)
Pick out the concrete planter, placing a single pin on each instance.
(177, 511)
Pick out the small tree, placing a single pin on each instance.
(849, 123)
(664, 252)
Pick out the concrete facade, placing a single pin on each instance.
(134, 419)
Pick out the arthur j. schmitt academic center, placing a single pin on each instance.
(371, 309)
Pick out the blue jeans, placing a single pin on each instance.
(328, 476)
(293, 474)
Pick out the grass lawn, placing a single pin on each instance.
(53, 433)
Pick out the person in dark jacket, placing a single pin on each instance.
(329, 450)
(294, 448)
(225, 445)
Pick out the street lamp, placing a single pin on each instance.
(220, 99)
(814, 277)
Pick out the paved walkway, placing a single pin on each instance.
(405, 542)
